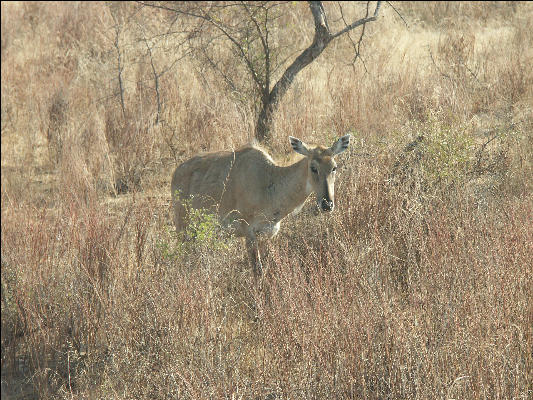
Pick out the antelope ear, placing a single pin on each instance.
(340, 145)
(299, 146)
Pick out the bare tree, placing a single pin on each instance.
(248, 28)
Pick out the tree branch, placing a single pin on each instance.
(120, 66)
(321, 40)
(356, 46)
(206, 17)
(359, 22)
(397, 12)
(156, 81)
(266, 49)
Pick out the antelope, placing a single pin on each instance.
(250, 193)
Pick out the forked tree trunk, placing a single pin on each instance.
(322, 38)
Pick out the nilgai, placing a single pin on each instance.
(250, 192)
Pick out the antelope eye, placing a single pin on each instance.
(314, 170)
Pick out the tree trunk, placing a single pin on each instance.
(270, 103)
(263, 125)
(322, 38)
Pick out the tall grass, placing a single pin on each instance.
(417, 286)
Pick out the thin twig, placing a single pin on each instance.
(362, 21)
(435, 64)
(156, 82)
(120, 67)
(397, 12)
(356, 46)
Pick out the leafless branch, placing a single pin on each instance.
(208, 18)
(435, 64)
(120, 67)
(263, 36)
(217, 69)
(356, 46)
(156, 81)
(321, 40)
(397, 12)
(360, 22)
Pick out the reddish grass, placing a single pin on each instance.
(417, 286)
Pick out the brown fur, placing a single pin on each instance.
(249, 191)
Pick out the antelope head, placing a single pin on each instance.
(321, 169)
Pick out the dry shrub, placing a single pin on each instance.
(131, 143)
(54, 291)
(58, 282)
(343, 321)
(57, 114)
(448, 15)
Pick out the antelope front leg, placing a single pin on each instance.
(252, 245)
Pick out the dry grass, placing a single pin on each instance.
(418, 286)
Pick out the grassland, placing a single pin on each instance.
(417, 286)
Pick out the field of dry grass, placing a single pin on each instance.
(417, 286)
